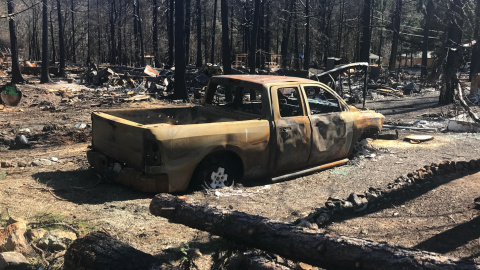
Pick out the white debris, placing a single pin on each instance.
(228, 192)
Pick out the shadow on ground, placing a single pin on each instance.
(84, 186)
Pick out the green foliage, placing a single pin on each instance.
(188, 257)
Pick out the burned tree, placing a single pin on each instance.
(475, 61)
(170, 26)
(286, 31)
(61, 40)
(45, 77)
(155, 33)
(306, 64)
(214, 25)
(199, 34)
(180, 91)
(397, 15)
(227, 66)
(453, 47)
(428, 11)
(187, 30)
(253, 42)
(366, 38)
(16, 74)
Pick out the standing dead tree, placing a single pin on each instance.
(453, 47)
(299, 244)
(16, 74)
(45, 77)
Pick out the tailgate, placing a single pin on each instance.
(118, 138)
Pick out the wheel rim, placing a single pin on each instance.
(218, 178)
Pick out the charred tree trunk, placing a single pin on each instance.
(120, 54)
(199, 34)
(306, 63)
(16, 74)
(454, 38)
(61, 40)
(475, 61)
(253, 41)
(171, 37)
(52, 35)
(180, 90)
(89, 43)
(340, 28)
(268, 34)
(214, 25)
(140, 31)
(99, 53)
(136, 33)
(187, 30)
(98, 250)
(428, 12)
(296, 63)
(155, 33)
(366, 38)
(72, 10)
(299, 244)
(396, 33)
(286, 32)
(226, 58)
(113, 16)
(45, 77)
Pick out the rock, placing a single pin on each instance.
(42, 162)
(24, 130)
(80, 126)
(7, 164)
(22, 139)
(330, 205)
(471, 164)
(11, 237)
(56, 240)
(13, 261)
(22, 164)
(322, 219)
(353, 198)
(34, 234)
(477, 163)
(461, 165)
(347, 205)
(54, 159)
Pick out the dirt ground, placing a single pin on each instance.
(440, 217)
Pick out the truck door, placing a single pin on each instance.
(292, 128)
(332, 125)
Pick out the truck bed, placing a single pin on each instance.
(179, 115)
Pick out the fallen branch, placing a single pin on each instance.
(300, 244)
(465, 105)
(68, 226)
(42, 254)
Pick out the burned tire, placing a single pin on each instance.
(216, 172)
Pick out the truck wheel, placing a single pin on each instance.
(216, 172)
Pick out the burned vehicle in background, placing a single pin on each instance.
(249, 127)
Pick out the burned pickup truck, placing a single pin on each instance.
(249, 127)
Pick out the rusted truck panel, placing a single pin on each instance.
(249, 127)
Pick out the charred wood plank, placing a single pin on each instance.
(299, 244)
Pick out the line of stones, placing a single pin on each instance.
(360, 202)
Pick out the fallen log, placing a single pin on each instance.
(297, 243)
(98, 250)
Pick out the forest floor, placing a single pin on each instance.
(439, 217)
